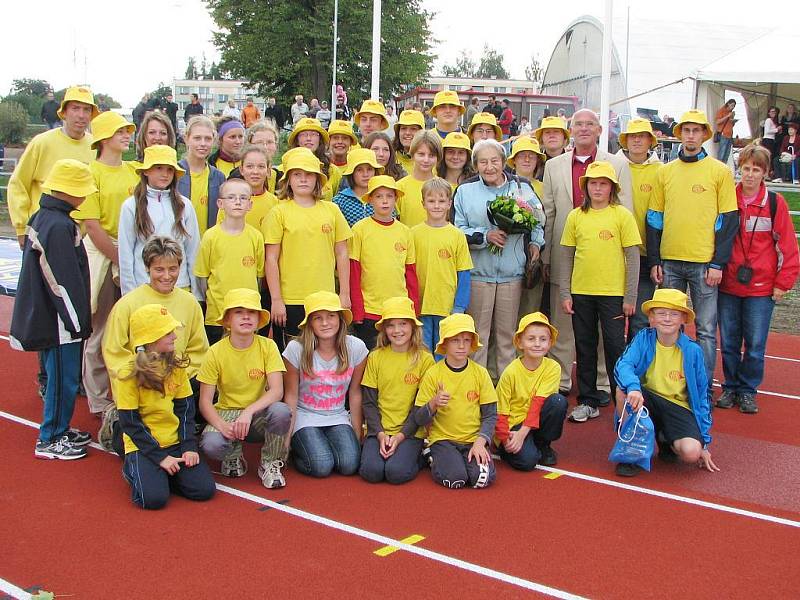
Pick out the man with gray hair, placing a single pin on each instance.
(299, 109)
(562, 193)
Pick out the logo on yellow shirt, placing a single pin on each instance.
(399, 247)
(473, 395)
(698, 188)
(445, 254)
(203, 200)
(248, 261)
(326, 228)
(163, 311)
(646, 188)
(170, 387)
(411, 379)
(676, 376)
(605, 235)
(256, 374)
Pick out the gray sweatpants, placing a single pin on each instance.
(451, 469)
(269, 426)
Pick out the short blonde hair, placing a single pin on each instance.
(427, 138)
(437, 184)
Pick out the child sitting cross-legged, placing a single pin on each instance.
(247, 371)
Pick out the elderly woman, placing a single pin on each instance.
(496, 284)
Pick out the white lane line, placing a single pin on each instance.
(797, 360)
(369, 535)
(766, 393)
(12, 590)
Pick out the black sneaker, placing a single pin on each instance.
(548, 458)
(61, 449)
(666, 453)
(603, 398)
(728, 399)
(77, 437)
(747, 404)
(627, 469)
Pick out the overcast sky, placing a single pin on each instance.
(126, 48)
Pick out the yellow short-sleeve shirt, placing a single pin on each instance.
(199, 197)
(441, 253)
(257, 215)
(332, 186)
(518, 385)
(114, 186)
(410, 210)
(227, 167)
(644, 178)
(665, 376)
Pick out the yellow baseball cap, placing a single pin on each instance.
(456, 139)
(410, 118)
(324, 301)
(535, 318)
(303, 159)
(151, 322)
(598, 169)
(452, 326)
(106, 124)
(637, 126)
(244, 298)
(521, 145)
(373, 107)
(71, 177)
(447, 97)
(485, 118)
(667, 298)
(552, 123)
(693, 116)
(78, 93)
(160, 155)
(342, 128)
(399, 307)
(308, 124)
(380, 181)
(361, 156)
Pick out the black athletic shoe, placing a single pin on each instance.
(727, 400)
(627, 469)
(747, 404)
(549, 458)
(666, 453)
(78, 437)
(604, 399)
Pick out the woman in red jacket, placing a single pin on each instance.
(764, 265)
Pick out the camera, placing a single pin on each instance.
(744, 274)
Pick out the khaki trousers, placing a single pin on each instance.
(95, 375)
(494, 307)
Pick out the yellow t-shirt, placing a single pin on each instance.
(227, 167)
(199, 183)
(307, 236)
(665, 376)
(644, 179)
(257, 215)
(41, 153)
(397, 381)
(114, 186)
(518, 385)
(229, 262)
(117, 347)
(692, 196)
(460, 420)
(272, 180)
(409, 208)
(441, 253)
(383, 250)
(599, 237)
(240, 375)
(334, 181)
(155, 409)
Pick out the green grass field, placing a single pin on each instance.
(793, 200)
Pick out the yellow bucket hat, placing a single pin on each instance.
(324, 301)
(380, 181)
(485, 118)
(452, 326)
(309, 124)
(693, 116)
(456, 139)
(244, 298)
(552, 123)
(598, 169)
(342, 128)
(78, 93)
(361, 156)
(667, 298)
(410, 118)
(71, 177)
(160, 155)
(637, 126)
(447, 97)
(303, 159)
(373, 107)
(399, 307)
(521, 145)
(106, 124)
(535, 318)
(151, 322)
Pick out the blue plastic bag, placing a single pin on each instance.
(636, 438)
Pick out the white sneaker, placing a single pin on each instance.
(584, 412)
(271, 475)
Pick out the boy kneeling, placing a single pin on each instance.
(663, 369)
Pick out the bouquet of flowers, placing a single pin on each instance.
(511, 215)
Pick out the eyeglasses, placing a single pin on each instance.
(483, 130)
(241, 197)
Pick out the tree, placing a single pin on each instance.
(534, 71)
(162, 91)
(31, 104)
(284, 47)
(214, 72)
(464, 67)
(203, 67)
(191, 69)
(101, 98)
(491, 65)
(13, 120)
(30, 87)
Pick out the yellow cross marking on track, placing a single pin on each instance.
(553, 475)
(387, 550)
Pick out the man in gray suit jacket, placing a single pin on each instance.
(561, 195)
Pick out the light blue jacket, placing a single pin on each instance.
(471, 202)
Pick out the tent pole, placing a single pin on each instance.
(605, 82)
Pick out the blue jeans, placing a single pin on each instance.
(430, 333)
(743, 320)
(318, 451)
(63, 367)
(551, 424)
(724, 150)
(679, 274)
